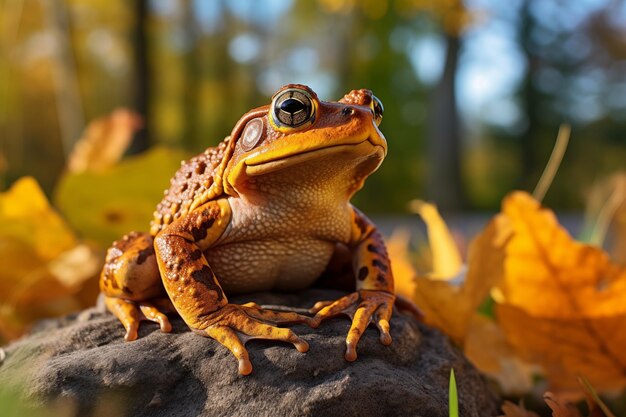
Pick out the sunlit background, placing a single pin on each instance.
(101, 99)
(474, 91)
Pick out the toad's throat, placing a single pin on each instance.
(364, 149)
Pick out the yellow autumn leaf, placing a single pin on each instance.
(561, 303)
(104, 205)
(447, 261)
(405, 275)
(486, 347)
(27, 217)
(449, 302)
(36, 247)
(451, 293)
(104, 141)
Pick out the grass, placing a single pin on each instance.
(453, 401)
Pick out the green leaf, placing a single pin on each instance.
(105, 205)
(453, 401)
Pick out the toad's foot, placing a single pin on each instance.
(362, 307)
(233, 325)
(131, 313)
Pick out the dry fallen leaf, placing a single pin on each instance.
(561, 304)
(449, 303)
(450, 295)
(104, 141)
(487, 348)
(37, 251)
(403, 271)
(512, 410)
(559, 408)
(447, 261)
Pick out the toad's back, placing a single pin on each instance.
(193, 179)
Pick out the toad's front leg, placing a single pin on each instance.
(374, 298)
(197, 295)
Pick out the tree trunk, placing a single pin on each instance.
(532, 155)
(142, 76)
(444, 183)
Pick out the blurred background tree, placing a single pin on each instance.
(474, 91)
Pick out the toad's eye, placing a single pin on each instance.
(378, 109)
(292, 108)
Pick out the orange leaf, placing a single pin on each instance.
(512, 410)
(450, 305)
(403, 271)
(104, 141)
(559, 409)
(487, 348)
(562, 304)
(450, 294)
(446, 258)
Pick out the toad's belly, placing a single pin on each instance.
(286, 265)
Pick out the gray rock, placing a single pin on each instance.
(81, 365)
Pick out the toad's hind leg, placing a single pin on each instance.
(131, 313)
(131, 284)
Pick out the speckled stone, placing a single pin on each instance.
(82, 366)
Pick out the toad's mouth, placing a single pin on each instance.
(353, 151)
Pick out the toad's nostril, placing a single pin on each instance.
(347, 111)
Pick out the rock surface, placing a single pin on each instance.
(81, 366)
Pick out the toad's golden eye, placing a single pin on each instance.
(292, 108)
(378, 109)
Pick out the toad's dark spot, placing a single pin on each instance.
(381, 279)
(374, 249)
(195, 255)
(200, 168)
(363, 273)
(205, 277)
(112, 282)
(361, 224)
(145, 254)
(378, 264)
(200, 233)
